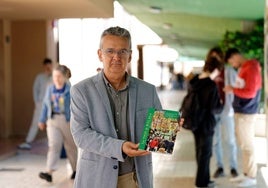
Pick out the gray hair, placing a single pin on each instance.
(63, 70)
(117, 31)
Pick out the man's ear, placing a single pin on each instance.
(100, 54)
(130, 57)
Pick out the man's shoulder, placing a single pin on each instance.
(250, 67)
(84, 82)
(251, 63)
(40, 75)
(139, 81)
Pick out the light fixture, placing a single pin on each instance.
(155, 9)
(167, 26)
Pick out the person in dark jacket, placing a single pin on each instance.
(210, 103)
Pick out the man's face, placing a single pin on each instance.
(234, 61)
(115, 54)
(48, 68)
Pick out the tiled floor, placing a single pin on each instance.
(170, 171)
(8, 147)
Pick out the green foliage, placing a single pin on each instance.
(250, 44)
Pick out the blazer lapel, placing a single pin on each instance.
(132, 106)
(99, 84)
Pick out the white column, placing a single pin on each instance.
(264, 170)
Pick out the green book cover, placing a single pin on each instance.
(160, 131)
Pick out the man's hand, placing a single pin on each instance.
(131, 149)
(180, 123)
(228, 89)
(42, 126)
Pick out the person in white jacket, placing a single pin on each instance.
(42, 80)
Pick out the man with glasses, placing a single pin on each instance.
(108, 112)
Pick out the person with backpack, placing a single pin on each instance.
(198, 109)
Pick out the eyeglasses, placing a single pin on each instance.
(111, 52)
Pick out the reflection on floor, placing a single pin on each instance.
(8, 147)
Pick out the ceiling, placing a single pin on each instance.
(194, 26)
(189, 26)
(53, 9)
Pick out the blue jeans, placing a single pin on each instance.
(225, 122)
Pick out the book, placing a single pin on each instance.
(160, 131)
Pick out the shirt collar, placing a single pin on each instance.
(55, 90)
(107, 83)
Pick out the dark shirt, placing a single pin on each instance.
(119, 105)
(210, 102)
(247, 106)
(57, 100)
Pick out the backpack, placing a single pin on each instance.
(190, 110)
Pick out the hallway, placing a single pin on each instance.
(170, 171)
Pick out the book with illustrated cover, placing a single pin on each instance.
(160, 131)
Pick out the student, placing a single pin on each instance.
(41, 82)
(247, 92)
(55, 118)
(210, 104)
(225, 120)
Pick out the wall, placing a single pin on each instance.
(28, 40)
(266, 81)
(2, 100)
(5, 79)
(23, 46)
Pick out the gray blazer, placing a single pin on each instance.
(93, 129)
